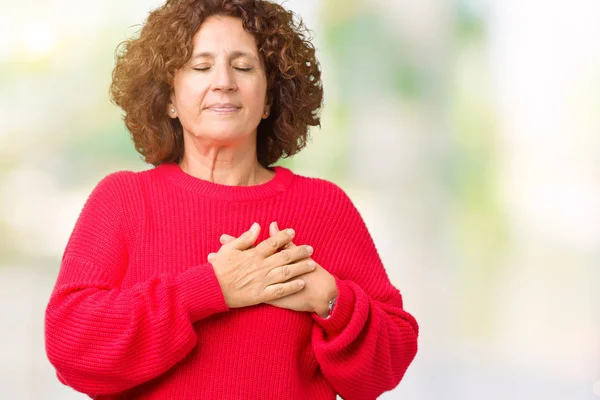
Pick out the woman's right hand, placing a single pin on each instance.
(253, 275)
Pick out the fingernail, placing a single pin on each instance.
(254, 227)
(300, 284)
(276, 226)
(291, 232)
(312, 264)
(309, 250)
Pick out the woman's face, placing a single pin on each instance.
(220, 94)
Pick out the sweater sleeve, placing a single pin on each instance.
(366, 345)
(102, 338)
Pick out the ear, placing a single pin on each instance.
(267, 109)
(266, 113)
(171, 111)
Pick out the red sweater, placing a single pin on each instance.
(138, 313)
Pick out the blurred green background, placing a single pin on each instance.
(466, 132)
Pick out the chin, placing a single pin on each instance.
(224, 135)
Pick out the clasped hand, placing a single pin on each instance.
(276, 272)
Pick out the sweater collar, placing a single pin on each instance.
(278, 184)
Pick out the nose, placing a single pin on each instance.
(223, 78)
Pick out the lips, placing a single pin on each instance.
(224, 107)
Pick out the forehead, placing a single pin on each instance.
(226, 33)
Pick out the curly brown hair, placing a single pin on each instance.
(142, 79)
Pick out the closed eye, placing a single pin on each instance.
(204, 69)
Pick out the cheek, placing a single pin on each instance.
(189, 93)
(259, 96)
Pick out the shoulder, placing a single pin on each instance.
(333, 215)
(116, 199)
(322, 189)
(125, 181)
(116, 180)
(114, 186)
(119, 190)
(327, 196)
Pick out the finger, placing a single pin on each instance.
(279, 290)
(273, 229)
(270, 245)
(247, 239)
(211, 257)
(225, 238)
(286, 272)
(289, 256)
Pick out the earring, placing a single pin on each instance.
(172, 110)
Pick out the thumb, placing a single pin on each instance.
(273, 228)
(225, 238)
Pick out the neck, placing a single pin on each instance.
(232, 165)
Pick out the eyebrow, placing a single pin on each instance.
(233, 55)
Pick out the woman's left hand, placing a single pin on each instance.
(320, 286)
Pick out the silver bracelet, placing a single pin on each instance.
(330, 306)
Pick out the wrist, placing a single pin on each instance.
(326, 309)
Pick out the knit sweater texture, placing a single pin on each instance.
(137, 312)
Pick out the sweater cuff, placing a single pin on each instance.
(200, 292)
(342, 312)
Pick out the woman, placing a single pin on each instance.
(169, 286)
